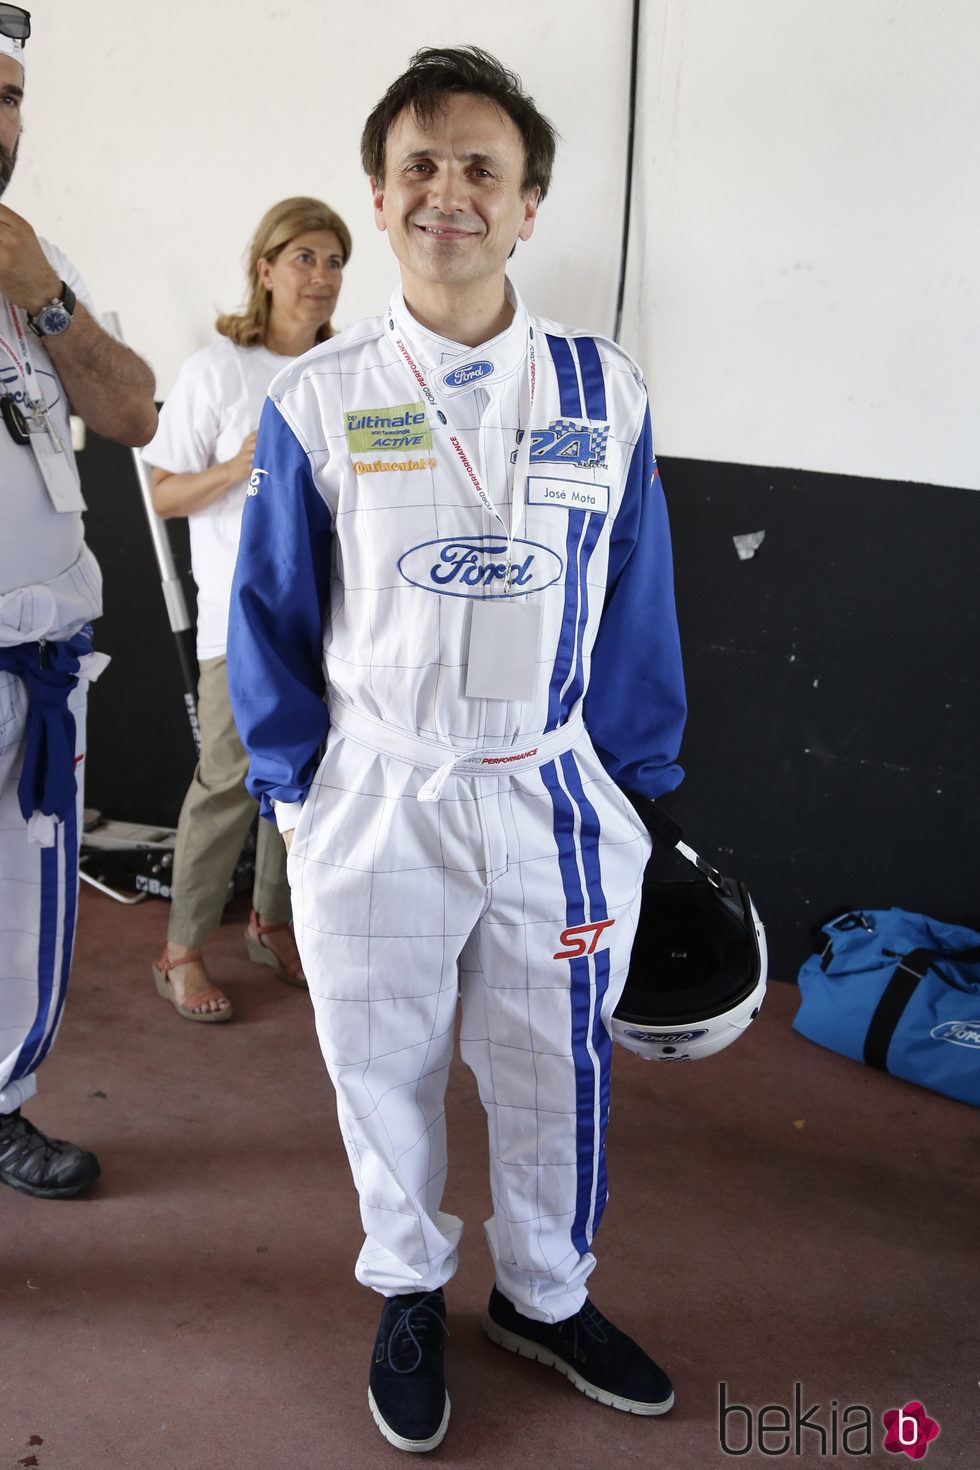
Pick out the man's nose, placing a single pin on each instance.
(446, 192)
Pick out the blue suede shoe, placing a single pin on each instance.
(407, 1388)
(594, 1355)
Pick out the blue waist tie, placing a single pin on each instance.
(50, 671)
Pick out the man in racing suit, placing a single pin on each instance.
(455, 570)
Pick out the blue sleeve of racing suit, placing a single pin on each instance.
(635, 706)
(279, 600)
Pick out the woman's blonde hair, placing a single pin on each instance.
(280, 224)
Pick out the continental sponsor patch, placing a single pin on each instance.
(403, 426)
(385, 466)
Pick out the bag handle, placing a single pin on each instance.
(898, 992)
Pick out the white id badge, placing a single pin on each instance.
(502, 662)
(58, 471)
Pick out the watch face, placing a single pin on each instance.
(52, 320)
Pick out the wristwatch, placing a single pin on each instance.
(54, 318)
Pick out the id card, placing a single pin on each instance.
(502, 661)
(58, 469)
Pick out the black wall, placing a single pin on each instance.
(140, 750)
(832, 681)
(833, 689)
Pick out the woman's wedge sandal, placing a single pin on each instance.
(260, 952)
(161, 973)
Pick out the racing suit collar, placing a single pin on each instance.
(506, 354)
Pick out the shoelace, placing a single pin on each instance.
(413, 1332)
(23, 1145)
(589, 1322)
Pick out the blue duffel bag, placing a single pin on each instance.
(900, 992)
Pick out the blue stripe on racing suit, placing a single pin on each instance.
(576, 828)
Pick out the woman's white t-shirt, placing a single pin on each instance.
(215, 402)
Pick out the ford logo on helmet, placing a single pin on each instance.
(470, 372)
(960, 1033)
(665, 1038)
(476, 566)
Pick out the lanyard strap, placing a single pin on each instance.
(522, 459)
(24, 367)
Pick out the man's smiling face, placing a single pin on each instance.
(451, 199)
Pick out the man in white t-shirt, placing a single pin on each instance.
(53, 354)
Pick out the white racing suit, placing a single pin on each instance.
(445, 842)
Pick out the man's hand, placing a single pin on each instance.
(107, 384)
(26, 277)
(287, 838)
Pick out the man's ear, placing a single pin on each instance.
(378, 201)
(530, 213)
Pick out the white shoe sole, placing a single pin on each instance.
(534, 1350)
(414, 1446)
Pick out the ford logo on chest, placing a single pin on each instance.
(475, 566)
(470, 372)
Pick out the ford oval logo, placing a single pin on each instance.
(960, 1033)
(665, 1038)
(471, 372)
(475, 566)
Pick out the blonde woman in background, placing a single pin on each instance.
(202, 457)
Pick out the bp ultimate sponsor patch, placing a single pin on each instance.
(568, 494)
(403, 426)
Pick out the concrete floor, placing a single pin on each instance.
(778, 1216)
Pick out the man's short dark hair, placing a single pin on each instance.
(432, 75)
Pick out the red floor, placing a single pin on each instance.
(778, 1216)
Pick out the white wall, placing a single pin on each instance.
(805, 287)
(154, 144)
(806, 290)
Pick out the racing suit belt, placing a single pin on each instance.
(444, 760)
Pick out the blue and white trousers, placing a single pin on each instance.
(517, 894)
(38, 904)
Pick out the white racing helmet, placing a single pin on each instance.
(697, 975)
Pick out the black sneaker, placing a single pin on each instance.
(407, 1391)
(36, 1164)
(600, 1360)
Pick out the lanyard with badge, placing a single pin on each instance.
(502, 654)
(38, 429)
